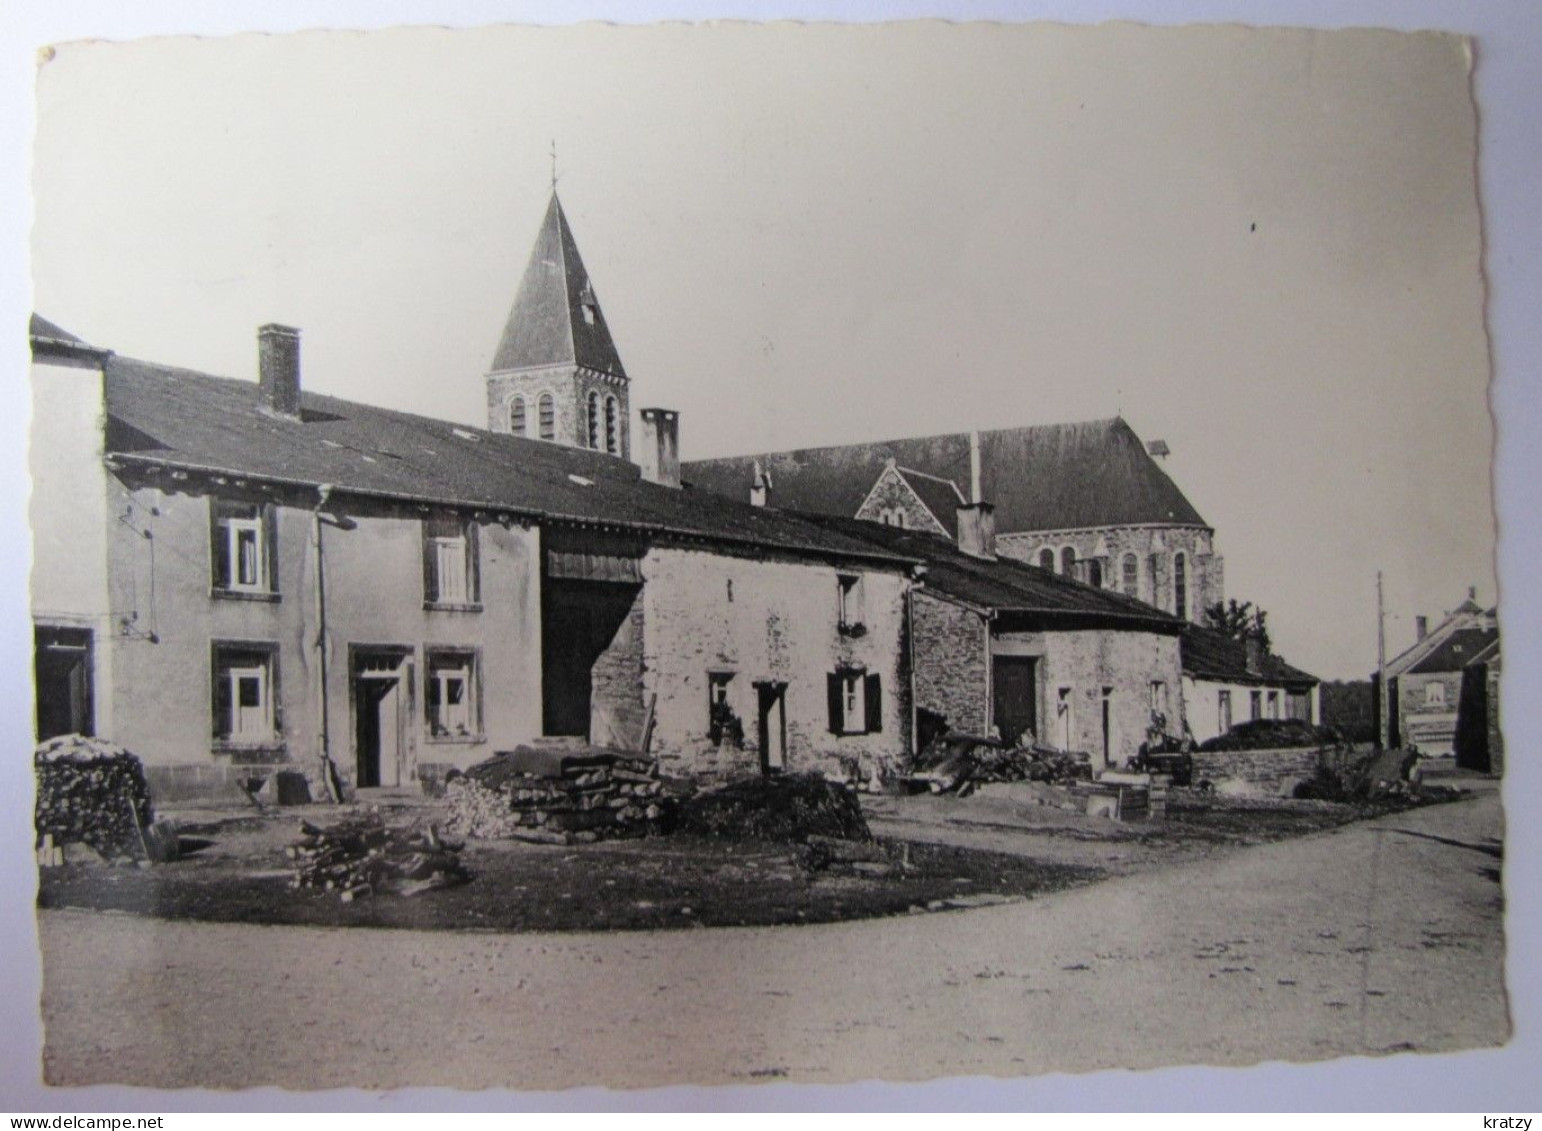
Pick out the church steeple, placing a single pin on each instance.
(556, 374)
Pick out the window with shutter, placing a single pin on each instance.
(242, 549)
(594, 420)
(856, 705)
(450, 565)
(244, 680)
(517, 416)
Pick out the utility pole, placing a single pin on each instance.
(1382, 737)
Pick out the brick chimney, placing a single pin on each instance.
(278, 369)
(1255, 655)
(1421, 627)
(760, 487)
(659, 456)
(977, 530)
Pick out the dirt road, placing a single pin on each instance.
(1377, 937)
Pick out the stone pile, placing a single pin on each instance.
(93, 793)
(364, 856)
(558, 796)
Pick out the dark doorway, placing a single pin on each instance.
(1015, 696)
(579, 620)
(382, 713)
(62, 671)
(772, 715)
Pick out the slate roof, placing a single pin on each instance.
(178, 418)
(547, 324)
(1007, 586)
(940, 496)
(1456, 651)
(1212, 655)
(47, 337)
(1040, 477)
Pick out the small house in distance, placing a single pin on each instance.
(1228, 681)
(1424, 682)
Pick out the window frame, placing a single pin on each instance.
(442, 663)
(1435, 694)
(230, 662)
(613, 425)
(466, 593)
(850, 602)
(229, 519)
(593, 420)
(1181, 585)
(1129, 574)
(522, 428)
(546, 417)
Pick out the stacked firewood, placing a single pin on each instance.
(364, 856)
(559, 797)
(93, 793)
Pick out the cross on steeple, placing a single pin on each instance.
(554, 164)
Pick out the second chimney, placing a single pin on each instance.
(1421, 627)
(760, 487)
(1255, 655)
(977, 530)
(660, 454)
(278, 369)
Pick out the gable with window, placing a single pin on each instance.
(245, 700)
(243, 548)
(450, 567)
(855, 701)
(453, 695)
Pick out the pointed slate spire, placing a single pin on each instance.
(556, 319)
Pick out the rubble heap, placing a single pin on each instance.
(93, 793)
(364, 856)
(787, 807)
(559, 796)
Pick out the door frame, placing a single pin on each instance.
(405, 673)
(768, 692)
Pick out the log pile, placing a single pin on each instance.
(960, 763)
(559, 797)
(364, 856)
(93, 793)
(786, 807)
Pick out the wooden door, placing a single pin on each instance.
(1015, 696)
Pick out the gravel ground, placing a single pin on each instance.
(1377, 937)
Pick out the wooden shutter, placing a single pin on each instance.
(833, 689)
(473, 564)
(873, 696)
(430, 566)
(219, 546)
(269, 513)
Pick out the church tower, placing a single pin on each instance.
(557, 375)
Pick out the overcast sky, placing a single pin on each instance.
(1260, 246)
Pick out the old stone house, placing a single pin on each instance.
(1001, 646)
(1228, 681)
(1085, 500)
(1424, 681)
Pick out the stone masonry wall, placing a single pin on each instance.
(951, 677)
(768, 620)
(1127, 663)
(1154, 548)
(1256, 771)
